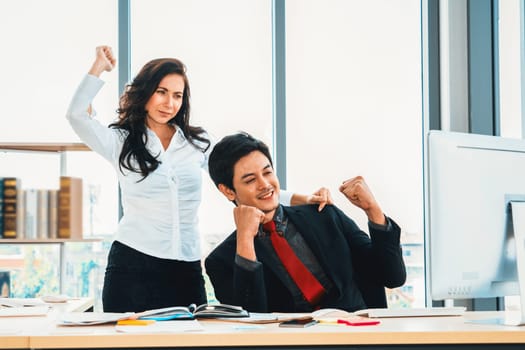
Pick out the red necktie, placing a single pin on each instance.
(303, 278)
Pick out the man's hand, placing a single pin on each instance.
(247, 221)
(358, 193)
(322, 197)
(104, 61)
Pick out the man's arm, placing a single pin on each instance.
(249, 286)
(382, 259)
(357, 192)
(388, 253)
(376, 257)
(235, 281)
(219, 268)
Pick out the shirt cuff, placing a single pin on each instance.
(285, 198)
(86, 92)
(246, 264)
(385, 227)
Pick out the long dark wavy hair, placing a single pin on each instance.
(132, 116)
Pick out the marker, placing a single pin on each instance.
(358, 322)
(135, 322)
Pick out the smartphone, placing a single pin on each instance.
(299, 323)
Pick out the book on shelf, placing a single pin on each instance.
(1, 206)
(70, 209)
(11, 186)
(30, 213)
(164, 314)
(20, 214)
(52, 201)
(42, 218)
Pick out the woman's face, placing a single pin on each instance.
(166, 101)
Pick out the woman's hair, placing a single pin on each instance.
(132, 115)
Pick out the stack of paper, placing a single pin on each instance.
(91, 318)
(10, 307)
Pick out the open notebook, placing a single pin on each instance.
(163, 314)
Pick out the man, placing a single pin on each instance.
(341, 266)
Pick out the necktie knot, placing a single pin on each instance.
(269, 227)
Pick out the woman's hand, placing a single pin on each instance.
(104, 61)
(322, 197)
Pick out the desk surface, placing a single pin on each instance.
(15, 332)
(42, 332)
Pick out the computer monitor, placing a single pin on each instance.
(471, 243)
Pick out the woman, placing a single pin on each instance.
(154, 261)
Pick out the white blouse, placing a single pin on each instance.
(159, 212)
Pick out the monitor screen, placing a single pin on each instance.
(470, 242)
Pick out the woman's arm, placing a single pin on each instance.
(322, 197)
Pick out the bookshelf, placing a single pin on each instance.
(43, 147)
(47, 240)
(61, 149)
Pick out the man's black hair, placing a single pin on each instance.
(227, 153)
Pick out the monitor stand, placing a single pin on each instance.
(518, 222)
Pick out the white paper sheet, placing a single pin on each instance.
(24, 311)
(163, 327)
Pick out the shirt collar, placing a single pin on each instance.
(280, 221)
(177, 139)
(179, 134)
(278, 217)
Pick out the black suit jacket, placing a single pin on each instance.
(360, 266)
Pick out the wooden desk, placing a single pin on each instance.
(413, 333)
(15, 331)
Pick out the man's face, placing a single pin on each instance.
(255, 183)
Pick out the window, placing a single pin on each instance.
(226, 46)
(353, 97)
(51, 48)
(354, 108)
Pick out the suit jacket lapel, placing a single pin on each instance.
(320, 242)
(264, 257)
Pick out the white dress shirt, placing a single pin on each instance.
(159, 212)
